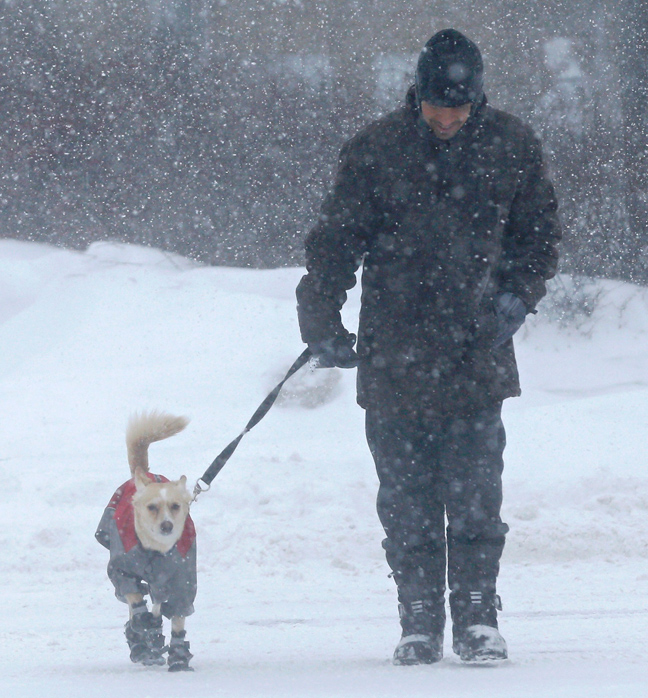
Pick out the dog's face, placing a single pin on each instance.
(161, 509)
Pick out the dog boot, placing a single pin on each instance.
(144, 636)
(179, 654)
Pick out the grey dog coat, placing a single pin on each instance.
(170, 578)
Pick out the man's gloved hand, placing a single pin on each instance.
(511, 313)
(337, 351)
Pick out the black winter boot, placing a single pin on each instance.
(144, 636)
(476, 637)
(418, 649)
(422, 639)
(179, 654)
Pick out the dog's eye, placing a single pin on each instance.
(175, 507)
(152, 508)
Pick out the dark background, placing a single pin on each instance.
(212, 127)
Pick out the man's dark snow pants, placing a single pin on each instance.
(430, 468)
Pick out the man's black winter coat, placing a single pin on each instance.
(440, 227)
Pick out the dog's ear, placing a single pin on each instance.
(140, 478)
(182, 482)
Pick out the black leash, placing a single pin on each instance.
(261, 412)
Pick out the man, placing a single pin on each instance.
(446, 204)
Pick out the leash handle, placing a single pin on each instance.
(204, 483)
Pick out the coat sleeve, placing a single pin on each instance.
(102, 534)
(336, 244)
(532, 232)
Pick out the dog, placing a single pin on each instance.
(152, 542)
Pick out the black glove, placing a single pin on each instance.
(511, 313)
(337, 351)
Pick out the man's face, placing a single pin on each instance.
(445, 122)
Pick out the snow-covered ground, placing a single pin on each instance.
(294, 597)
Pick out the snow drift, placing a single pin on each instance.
(294, 596)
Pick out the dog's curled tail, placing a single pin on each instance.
(146, 427)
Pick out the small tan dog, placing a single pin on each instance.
(152, 542)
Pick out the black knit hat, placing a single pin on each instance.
(450, 71)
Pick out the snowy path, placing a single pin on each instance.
(583, 647)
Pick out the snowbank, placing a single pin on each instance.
(293, 589)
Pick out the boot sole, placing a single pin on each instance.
(417, 651)
(174, 668)
(414, 662)
(483, 659)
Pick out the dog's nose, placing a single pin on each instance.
(166, 527)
